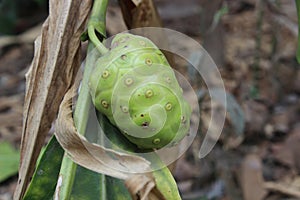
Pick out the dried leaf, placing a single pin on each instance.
(97, 158)
(288, 152)
(251, 178)
(55, 62)
(141, 14)
(256, 115)
(283, 188)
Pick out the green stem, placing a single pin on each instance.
(84, 103)
(298, 11)
(97, 24)
(81, 116)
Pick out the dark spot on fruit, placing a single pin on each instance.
(145, 124)
(148, 61)
(123, 57)
(183, 120)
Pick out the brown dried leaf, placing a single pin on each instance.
(288, 152)
(256, 116)
(251, 178)
(141, 14)
(98, 158)
(283, 188)
(56, 60)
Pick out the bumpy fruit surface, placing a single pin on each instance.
(135, 82)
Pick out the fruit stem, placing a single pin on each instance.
(96, 25)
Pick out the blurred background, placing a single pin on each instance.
(253, 43)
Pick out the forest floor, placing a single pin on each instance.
(254, 45)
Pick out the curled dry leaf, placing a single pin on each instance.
(98, 158)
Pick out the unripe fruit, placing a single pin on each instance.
(135, 82)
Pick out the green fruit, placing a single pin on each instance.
(135, 87)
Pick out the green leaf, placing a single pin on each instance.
(115, 189)
(298, 11)
(87, 185)
(9, 160)
(45, 176)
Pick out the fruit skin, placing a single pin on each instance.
(135, 82)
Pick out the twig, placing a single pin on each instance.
(282, 188)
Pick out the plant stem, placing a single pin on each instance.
(84, 103)
(97, 24)
(81, 116)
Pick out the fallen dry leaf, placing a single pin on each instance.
(283, 188)
(288, 152)
(256, 116)
(251, 178)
